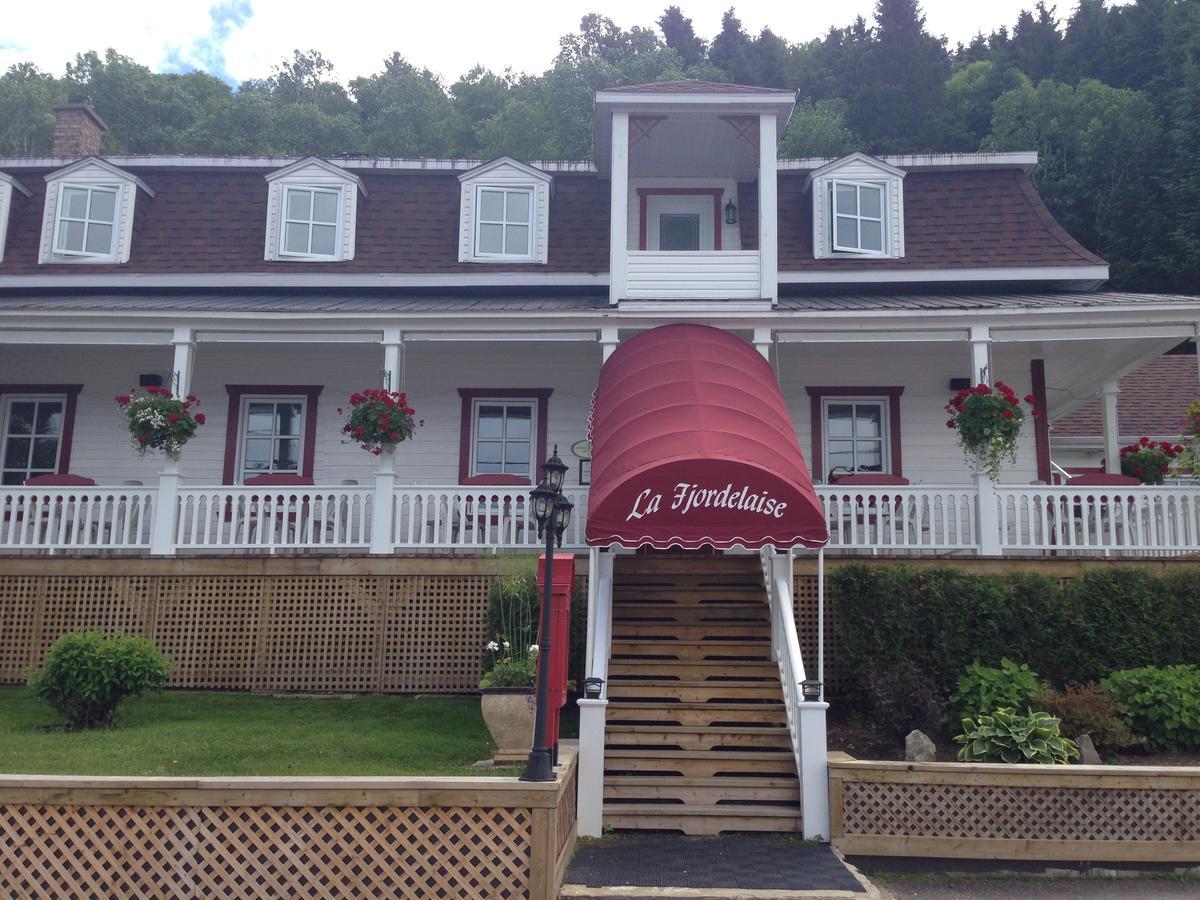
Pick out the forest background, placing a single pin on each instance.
(1109, 97)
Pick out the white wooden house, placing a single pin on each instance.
(493, 292)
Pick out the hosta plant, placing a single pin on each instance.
(379, 420)
(157, 420)
(1149, 460)
(982, 689)
(1163, 704)
(988, 420)
(1006, 736)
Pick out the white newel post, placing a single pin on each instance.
(382, 519)
(814, 770)
(1112, 429)
(618, 236)
(609, 340)
(592, 712)
(162, 537)
(768, 191)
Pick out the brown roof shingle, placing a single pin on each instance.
(1152, 402)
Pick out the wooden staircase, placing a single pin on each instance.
(696, 736)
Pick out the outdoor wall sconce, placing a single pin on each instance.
(730, 213)
(592, 686)
(150, 379)
(811, 690)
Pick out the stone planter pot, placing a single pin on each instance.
(508, 713)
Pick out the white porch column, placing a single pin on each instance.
(981, 337)
(592, 712)
(814, 770)
(162, 537)
(1112, 432)
(988, 531)
(768, 191)
(382, 518)
(762, 342)
(618, 229)
(608, 342)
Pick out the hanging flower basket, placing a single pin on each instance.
(159, 421)
(379, 420)
(988, 419)
(1149, 460)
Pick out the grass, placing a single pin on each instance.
(206, 733)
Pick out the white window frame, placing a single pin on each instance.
(339, 215)
(531, 226)
(532, 404)
(240, 473)
(6, 409)
(686, 204)
(885, 431)
(59, 218)
(834, 215)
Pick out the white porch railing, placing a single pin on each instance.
(97, 518)
(693, 275)
(453, 518)
(242, 518)
(900, 518)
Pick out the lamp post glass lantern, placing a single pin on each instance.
(552, 511)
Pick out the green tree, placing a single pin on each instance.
(27, 98)
(819, 129)
(405, 112)
(680, 36)
(1035, 42)
(970, 93)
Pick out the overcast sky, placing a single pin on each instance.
(239, 39)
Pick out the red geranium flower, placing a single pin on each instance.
(394, 436)
(173, 418)
(1008, 413)
(200, 418)
(143, 439)
(949, 423)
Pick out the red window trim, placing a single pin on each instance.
(469, 396)
(71, 391)
(818, 394)
(645, 192)
(236, 392)
(1041, 425)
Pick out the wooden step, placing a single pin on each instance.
(699, 763)
(716, 651)
(700, 820)
(696, 691)
(691, 615)
(685, 564)
(692, 670)
(634, 788)
(673, 630)
(673, 593)
(730, 739)
(672, 715)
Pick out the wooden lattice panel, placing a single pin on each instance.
(995, 811)
(253, 852)
(567, 812)
(435, 632)
(320, 634)
(804, 607)
(209, 628)
(19, 606)
(105, 603)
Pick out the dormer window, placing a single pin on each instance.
(504, 212)
(88, 217)
(312, 207)
(858, 206)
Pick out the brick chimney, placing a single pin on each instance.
(77, 128)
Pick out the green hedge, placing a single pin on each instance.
(939, 620)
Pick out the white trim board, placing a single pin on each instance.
(1090, 273)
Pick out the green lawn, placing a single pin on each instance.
(203, 733)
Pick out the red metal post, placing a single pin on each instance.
(560, 625)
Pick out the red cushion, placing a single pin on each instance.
(870, 478)
(55, 480)
(278, 479)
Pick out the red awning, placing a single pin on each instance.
(692, 445)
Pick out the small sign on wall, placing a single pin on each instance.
(585, 471)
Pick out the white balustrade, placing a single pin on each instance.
(255, 518)
(899, 519)
(76, 518)
(491, 518)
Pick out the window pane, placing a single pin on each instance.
(49, 417)
(516, 240)
(487, 453)
(872, 202)
(870, 456)
(872, 235)
(16, 453)
(516, 457)
(258, 455)
(99, 239)
(491, 206)
(491, 419)
(519, 420)
(259, 418)
(322, 239)
(20, 418)
(287, 455)
(518, 207)
(678, 232)
(870, 421)
(70, 236)
(295, 238)
(840, 418)
(45, 453)
(847, 232)
(103, 208)
(74, 203)
(298, 204)
(288, 417)
(13, 479)
(841, 453)
(491, 239)
(325, 208)
(846, 199)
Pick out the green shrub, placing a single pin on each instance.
(904, 700)
(983, 689)
(1163, 704)
(1009, 737)
(1087, 709)
(88, 674)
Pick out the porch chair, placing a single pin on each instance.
(870, 516)
(289, 520)
(50, 479)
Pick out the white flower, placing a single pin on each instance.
(507, 645)
(533, 648)
(493, 646)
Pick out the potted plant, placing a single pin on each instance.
(379, 420)
(157, 420)
(510, 665)
(988, 420)
(1149, 460)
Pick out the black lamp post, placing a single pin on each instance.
(552, 511)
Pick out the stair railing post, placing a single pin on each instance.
(814, 770)
(592, 712)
